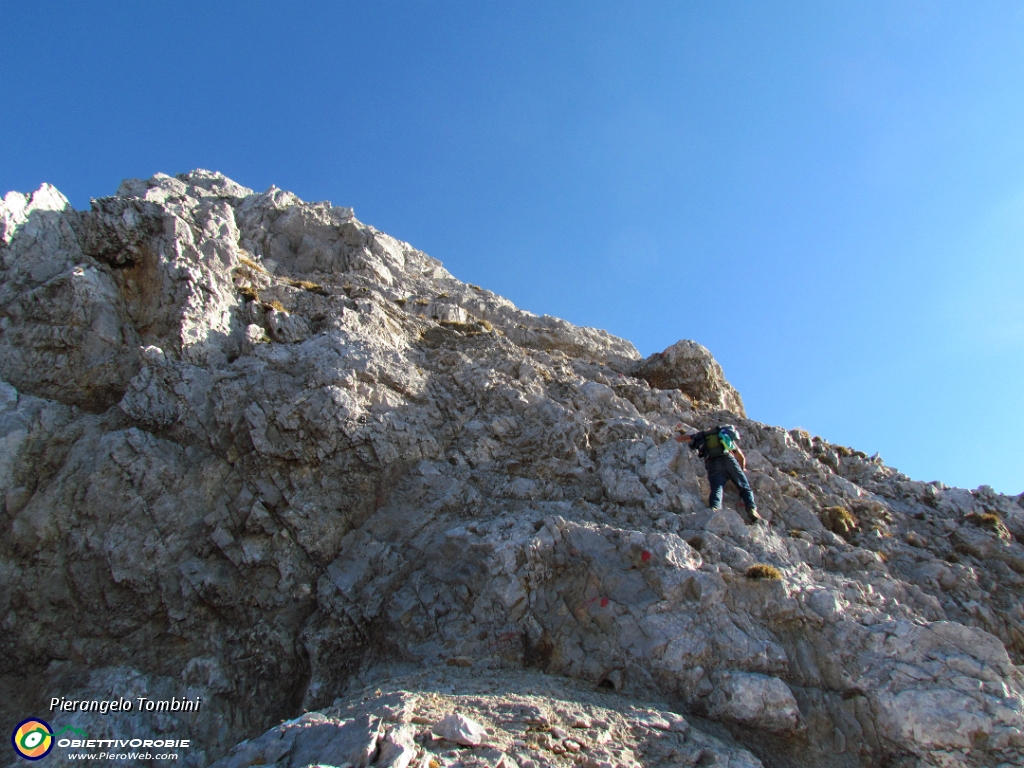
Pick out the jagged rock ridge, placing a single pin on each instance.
(256, 451)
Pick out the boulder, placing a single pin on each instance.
(755, 700)
(690, 368)
(459, 729)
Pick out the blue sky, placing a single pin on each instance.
(828, 195)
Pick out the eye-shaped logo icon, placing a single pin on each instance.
(32, 739)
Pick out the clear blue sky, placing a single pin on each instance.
(828, 195)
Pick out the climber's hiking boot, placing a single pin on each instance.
(753, 518)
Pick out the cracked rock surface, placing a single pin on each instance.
(253, 450)
(494, 718)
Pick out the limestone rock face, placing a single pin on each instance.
(256, 453)
(689, 367)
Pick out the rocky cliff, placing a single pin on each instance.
(255, 452)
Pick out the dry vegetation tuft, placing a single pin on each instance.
(990, 521)
(839, 520)
(763, 571)
(251, 264)
(470, 329)
(308, 285)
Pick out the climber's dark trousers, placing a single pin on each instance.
(721, 469)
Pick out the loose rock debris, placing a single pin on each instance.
(498, 720)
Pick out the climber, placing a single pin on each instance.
(724, 461)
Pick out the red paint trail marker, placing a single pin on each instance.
(645, 555)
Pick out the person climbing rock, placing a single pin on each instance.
(724, 461)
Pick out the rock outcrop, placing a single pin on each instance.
(255, 452)
(690, 367)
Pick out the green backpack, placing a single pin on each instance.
(719, 443)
